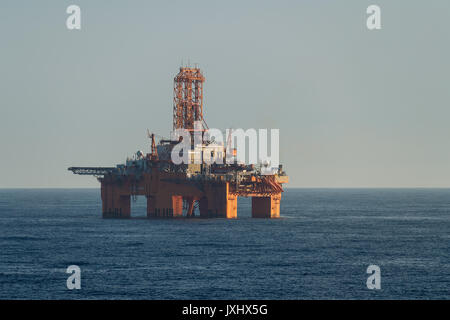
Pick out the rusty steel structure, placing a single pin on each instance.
(179, 190)
(188, 98)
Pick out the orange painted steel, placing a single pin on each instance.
(266, 207)
(165, 198)
(167, 186)
(188, 98)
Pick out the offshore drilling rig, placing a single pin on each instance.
(177, 190)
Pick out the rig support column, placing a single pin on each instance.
(114, 204)
(220, 203)
(266, 207)
(177, 205)
(203, 207)
(164, 206)
(231, 206)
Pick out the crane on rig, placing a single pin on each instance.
(154, 151)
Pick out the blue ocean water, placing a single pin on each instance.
(319, 249)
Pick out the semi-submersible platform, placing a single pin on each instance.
(178, 190)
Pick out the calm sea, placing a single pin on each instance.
(320, 248)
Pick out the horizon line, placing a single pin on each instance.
(286, 188)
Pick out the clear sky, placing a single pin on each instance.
(355, 108)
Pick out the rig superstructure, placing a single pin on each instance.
(179, 190)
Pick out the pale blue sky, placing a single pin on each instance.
(355, 108)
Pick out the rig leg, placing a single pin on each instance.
(151, 205)
(177, 204)
(114, 204)
(203, 206)
(220, 203)
(164, 206)
(266, 207)
(232, 206)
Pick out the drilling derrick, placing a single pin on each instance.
(188, 99)
(177, 190)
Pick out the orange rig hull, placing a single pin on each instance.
(172, 195)
(179, 190)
